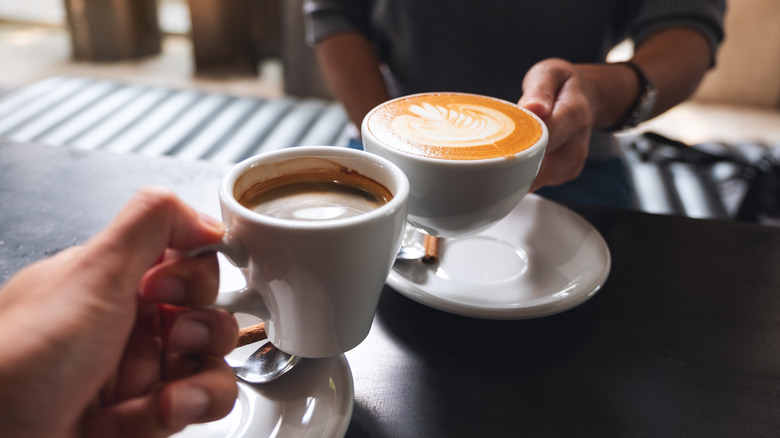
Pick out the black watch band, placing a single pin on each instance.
(644, 103)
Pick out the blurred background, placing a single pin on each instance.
(225, 79)
(39, 39)
(256, 48)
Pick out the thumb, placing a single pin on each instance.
(541, 86)
(538, 102)
(154, 220)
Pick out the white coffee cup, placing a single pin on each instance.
(315, 283)
(453, 197)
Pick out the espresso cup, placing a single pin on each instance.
(315, 231)
(470, 159)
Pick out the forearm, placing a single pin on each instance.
(352, 70)
(675, 60)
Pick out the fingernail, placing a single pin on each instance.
(189, 334)
(211, 222)
(535, 105)
(189, 404)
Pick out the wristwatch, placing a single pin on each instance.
(644, 104)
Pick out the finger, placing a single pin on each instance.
(542, 84)
(569, 126)
(201, 331)
(557, 168)
(153, 220)
(206, 396)
(189, 282)
(562, 164)
(170, 332)
(565, 161)
(139, 369)
(131, 418)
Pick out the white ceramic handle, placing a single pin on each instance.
(245, 300)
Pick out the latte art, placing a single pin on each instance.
(455, 125)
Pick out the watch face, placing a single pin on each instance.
(645, 105)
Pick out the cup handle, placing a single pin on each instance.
(246, 299)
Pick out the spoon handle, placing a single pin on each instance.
(251, 334)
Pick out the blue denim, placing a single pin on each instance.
(602, 182)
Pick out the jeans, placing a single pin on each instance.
(602, 182)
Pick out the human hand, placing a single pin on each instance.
(556, 91)
(112, 339)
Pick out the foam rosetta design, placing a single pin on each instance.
(454, 124)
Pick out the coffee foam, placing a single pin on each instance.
(315, 194)
(454, 126)
(313, 201)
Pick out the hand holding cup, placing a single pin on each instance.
(315, 231)
(470, 159)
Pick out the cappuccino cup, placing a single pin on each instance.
(315, 231)
(470, 159)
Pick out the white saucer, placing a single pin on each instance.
(314, 399)
(540, 260)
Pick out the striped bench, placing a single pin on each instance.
(107, 115)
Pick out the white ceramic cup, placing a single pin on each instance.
(457, 197)
(315, 284)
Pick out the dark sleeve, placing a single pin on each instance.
(704, 16)
(327, 17)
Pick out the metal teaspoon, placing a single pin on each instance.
(267, 363)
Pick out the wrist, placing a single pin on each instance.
(613, 90)
(644, 104)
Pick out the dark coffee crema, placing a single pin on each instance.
(454, 126)
(316, 195)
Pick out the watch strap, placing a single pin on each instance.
(644, 103)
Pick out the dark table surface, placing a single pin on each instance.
(682, 340)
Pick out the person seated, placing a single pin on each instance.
(549, 57)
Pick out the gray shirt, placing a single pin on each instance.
(486, 46)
